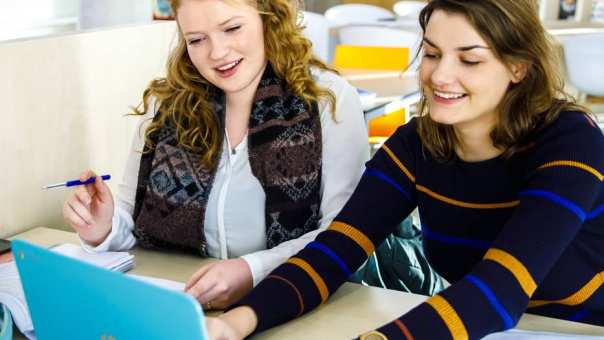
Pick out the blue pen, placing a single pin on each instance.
(76, 182)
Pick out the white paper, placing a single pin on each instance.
(163, 283)
(516, 334)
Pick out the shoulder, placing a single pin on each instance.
(348, 104)
(572, 136)
(332, 81)
(406, 135)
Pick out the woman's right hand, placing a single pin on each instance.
(219, 329)
(89, 209)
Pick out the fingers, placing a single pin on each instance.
(72, 218)
(196, 276)
(102, 190)
(204, 286)
(80, 210)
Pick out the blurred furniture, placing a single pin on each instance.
(409, 9)
(350, 311)
(584, 57)
(387, 112)
(367, 35)
(316, 29)
(347, 14)
(371, 57)
(380, 48)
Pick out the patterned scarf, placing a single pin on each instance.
(285, 146)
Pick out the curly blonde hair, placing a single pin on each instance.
(515, 34)
(183, 94)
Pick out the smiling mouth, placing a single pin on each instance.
(229, 67)
(449, 95)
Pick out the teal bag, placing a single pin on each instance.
(6, 324)
(399, 263)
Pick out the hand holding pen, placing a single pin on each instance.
(89, 208)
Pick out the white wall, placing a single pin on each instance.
(63, 101)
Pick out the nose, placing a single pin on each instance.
(444, 73)
(219, 48)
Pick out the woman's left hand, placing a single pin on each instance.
(219, 285)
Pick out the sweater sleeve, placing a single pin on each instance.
(383, 198)
(563, 182)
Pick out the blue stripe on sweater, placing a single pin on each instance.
(320, 246)
(580, 315)
(558, 200)
(479, 244)
(507, 320)
(596, 212)
(383, 177)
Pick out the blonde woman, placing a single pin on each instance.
(251, 146)
(507, 175)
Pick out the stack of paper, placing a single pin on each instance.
(112, 260)
(11, 291)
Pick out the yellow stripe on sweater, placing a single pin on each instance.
(466, 204)
(449, 315)
(511, 263)
(398, 163)
(574, 164)
(578, 297)
(356, 235)
(321, 286)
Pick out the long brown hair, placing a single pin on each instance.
(183, 94)
(514, 32)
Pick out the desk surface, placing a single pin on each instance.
(352, 310)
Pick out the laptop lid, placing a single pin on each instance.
(69, 299)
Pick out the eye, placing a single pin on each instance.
(233, 29)
(195, 41)
(470, 63)
(430, 55)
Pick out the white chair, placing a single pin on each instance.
(347, 14)
(409, 9)
(362, 35)
(316, 29)
(584, 56)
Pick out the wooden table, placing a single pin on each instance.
(352, 310)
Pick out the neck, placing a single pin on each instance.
(475, 143)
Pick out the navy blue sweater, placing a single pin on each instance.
(515, 235)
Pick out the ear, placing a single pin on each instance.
(518, 71)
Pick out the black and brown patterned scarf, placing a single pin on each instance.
(285, 147)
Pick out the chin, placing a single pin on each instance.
(443, 117)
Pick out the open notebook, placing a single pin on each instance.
(71, 299)
(11, 291)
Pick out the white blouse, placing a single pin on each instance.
(234, 223)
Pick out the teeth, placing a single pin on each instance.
(226, 67)
(448, 95)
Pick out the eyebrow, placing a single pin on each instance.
(462, 48)
(220, 24)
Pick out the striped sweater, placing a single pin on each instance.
(515, 235)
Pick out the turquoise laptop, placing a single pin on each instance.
(69, 299)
